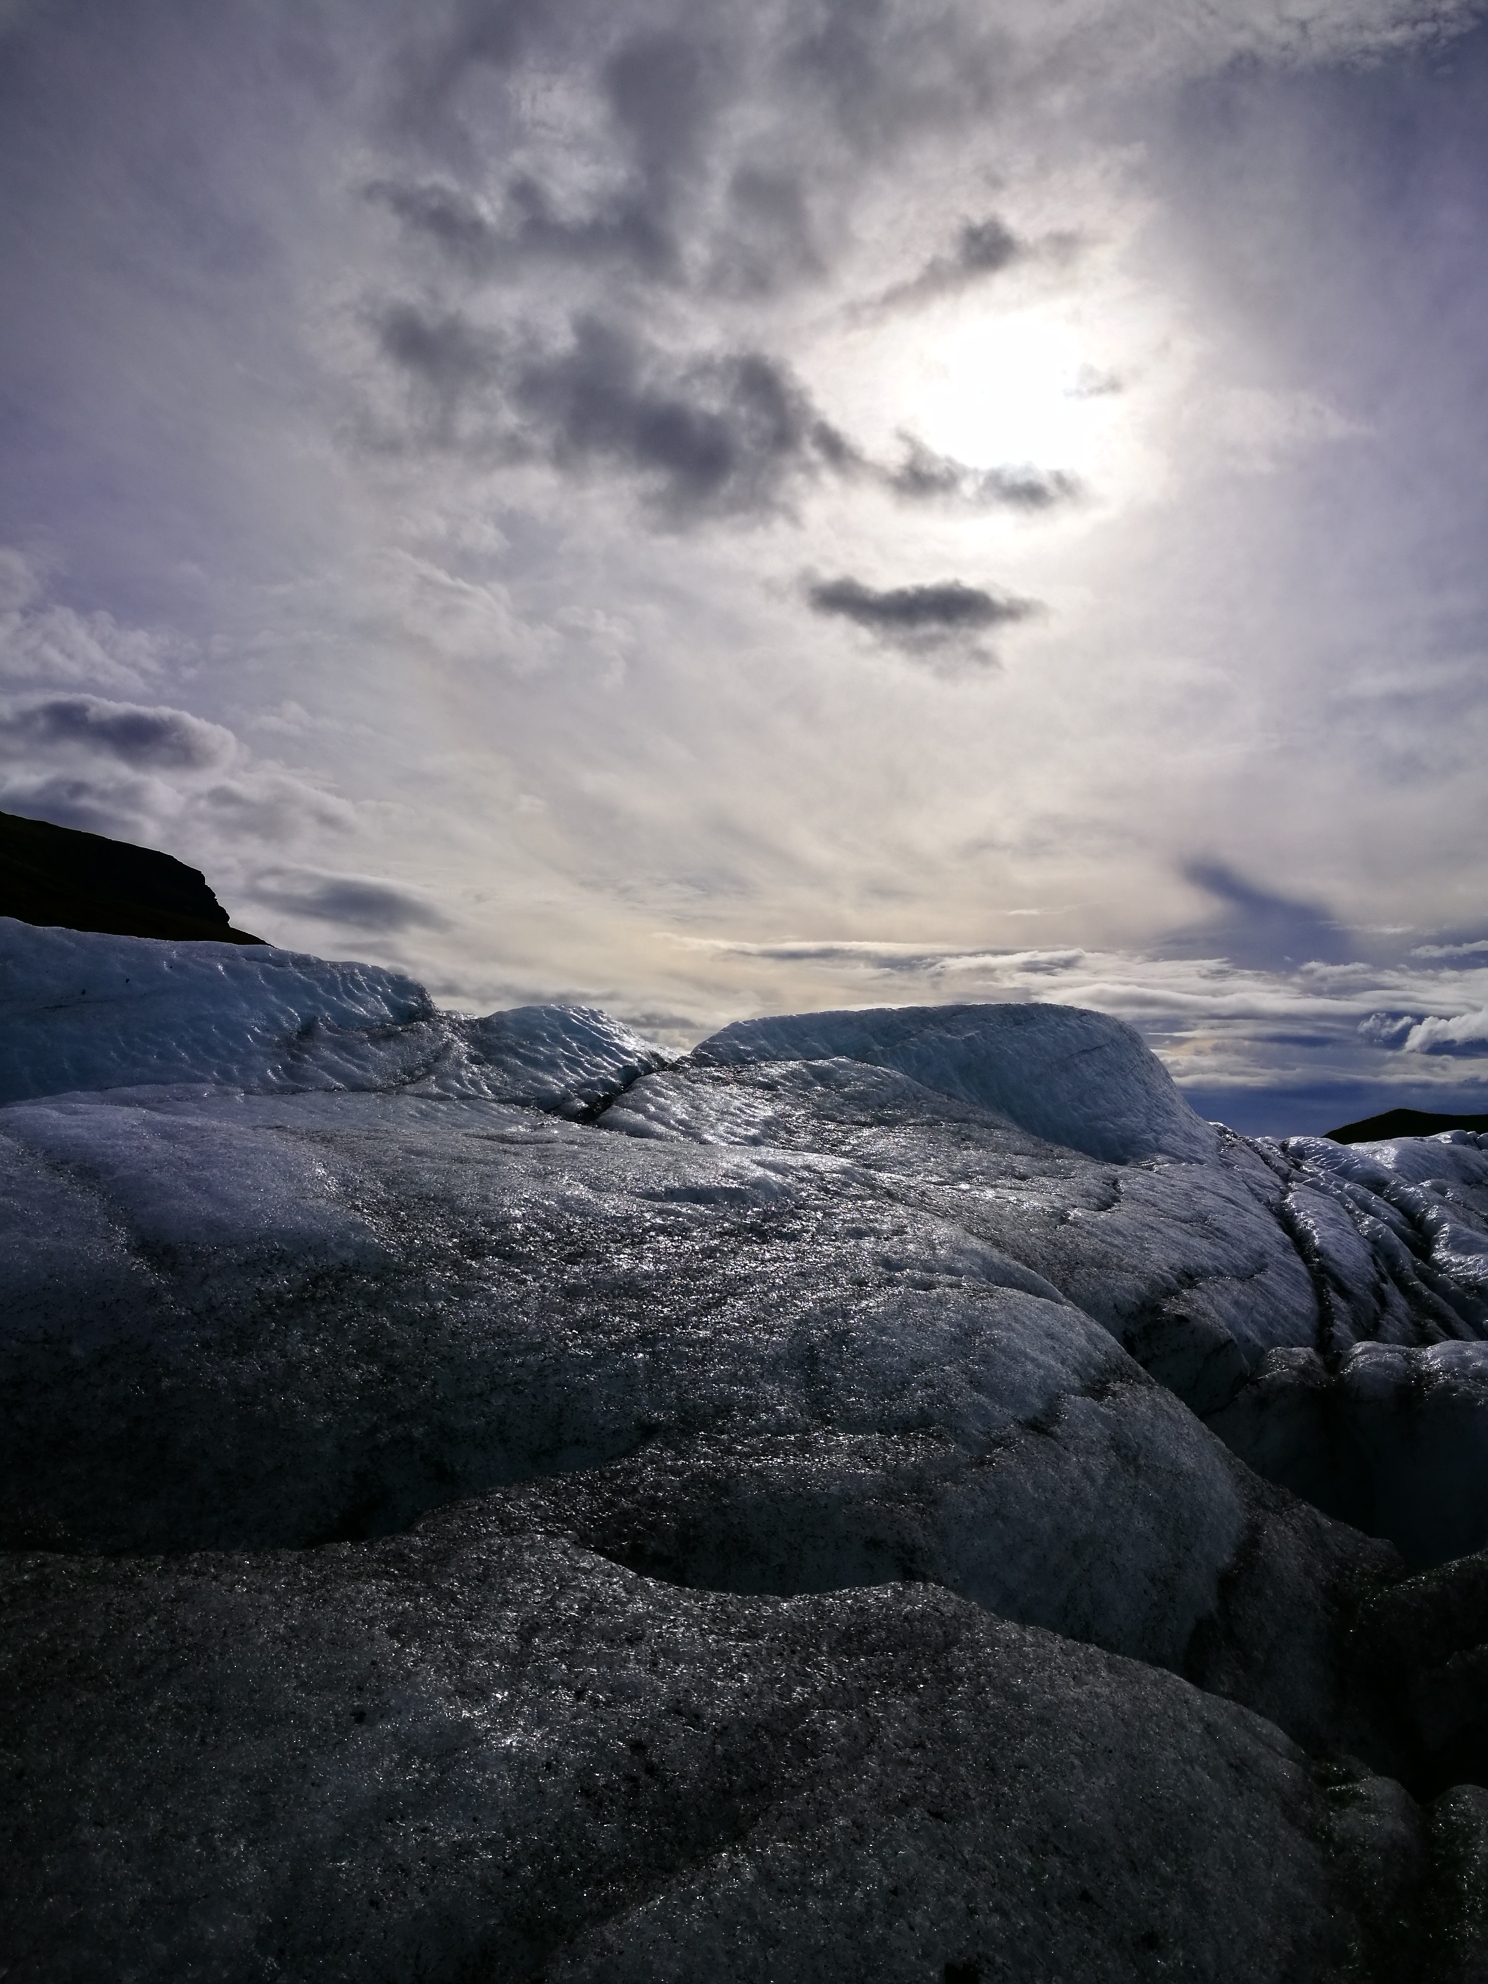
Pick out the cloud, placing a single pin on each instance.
(1232, 1036)
(1255, 927)
(721, 434)
(122, 807)
(929, 622)
(595, 274)
(924, 476)
(270, 805)
(767, 241)
(226, 819)
(1477, 946)
(526, 229)
(1387, 1029)
(452, 368)
(1260, 427)
(473, 33)
(1465, 1033)
(41, 642)
(983, 248)
(146, 738)
(663, 91)
(20, 582)
(361, 902)
(445, 215)
(147, 772)
(717, 435)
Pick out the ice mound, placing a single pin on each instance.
(80, 1012)
(1074, 1077)
(1187, 1265)
(84, 1011)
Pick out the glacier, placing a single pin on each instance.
(888, 1493)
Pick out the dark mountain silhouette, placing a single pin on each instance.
(77, 881)
(1404, 1123)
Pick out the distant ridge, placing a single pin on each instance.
(1403, 1123)
(69, 880)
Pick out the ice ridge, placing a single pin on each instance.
(1076, 1078)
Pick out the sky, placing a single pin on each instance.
(727, 508)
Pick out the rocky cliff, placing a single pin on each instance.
(77, 881)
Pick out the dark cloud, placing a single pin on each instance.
(529, 228)
(1387, 1029)
(445, 216)
(358, 901)
(149, 739)
(679, 192)
(943, 608)
(767, 240)
(623, 230)
(884, 73)
(452, 366)
(717, 435)
(676, 181)
(1256, 928)
(941, 624)
(119, 809)
(274, 806)
(982, 249)
(489, 33)
(923, 476)
(660, 90)
(722, 434)
(663, 91)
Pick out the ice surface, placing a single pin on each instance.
(476, 1751)
(82, 1011)
(317, 1328)
(79, 1011)
(1187, 1264)
(1072, 1077)
(1396, 1232)
(550, 1409)
(1393, 1440)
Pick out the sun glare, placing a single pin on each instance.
(1011, 390)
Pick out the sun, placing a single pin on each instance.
(1010, 390)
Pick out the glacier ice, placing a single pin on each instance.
(476, 1751)
(85, 1012)
(1071, 1077)
(653, 1479)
